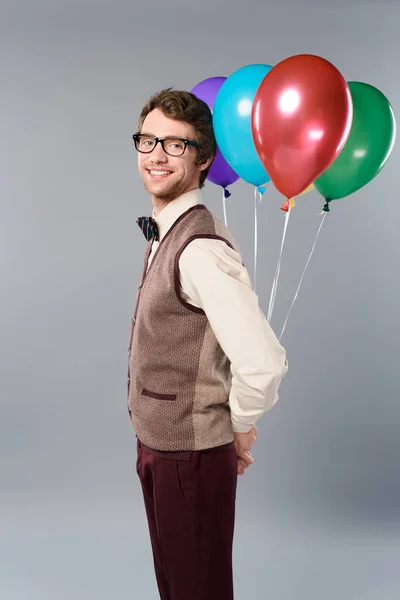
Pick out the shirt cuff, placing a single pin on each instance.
(245, 423)
(241, 427)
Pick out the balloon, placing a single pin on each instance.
(368, 147)
(301, 119)
(232, 122)
(220, 172)
(291, 201)
(308, 189)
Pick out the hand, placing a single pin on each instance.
(243, 444)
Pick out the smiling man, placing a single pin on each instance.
(174, 167)
(204, 364)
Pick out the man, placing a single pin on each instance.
(204, 363)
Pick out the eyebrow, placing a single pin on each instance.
(177, 137)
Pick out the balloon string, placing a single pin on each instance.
(260, 192)
(278, 268)
(302, 276)
(255, 237)
(224, 207)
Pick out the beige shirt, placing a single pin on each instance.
(213, 278)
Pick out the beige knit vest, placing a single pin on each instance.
(179, 377)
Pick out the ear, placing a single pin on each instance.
(205, 163)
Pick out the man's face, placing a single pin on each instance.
(166, 177)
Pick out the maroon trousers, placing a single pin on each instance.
(190, 505)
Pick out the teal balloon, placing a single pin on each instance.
(232, 122)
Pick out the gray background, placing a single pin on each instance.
(318, 513)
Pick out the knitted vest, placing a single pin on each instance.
(179, 378)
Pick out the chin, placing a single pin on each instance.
(157, 190)
(163, 191)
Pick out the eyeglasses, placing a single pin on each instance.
(173, 146)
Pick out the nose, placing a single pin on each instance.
(158, 155)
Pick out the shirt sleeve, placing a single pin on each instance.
(213, 278)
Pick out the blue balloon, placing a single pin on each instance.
(232, 122)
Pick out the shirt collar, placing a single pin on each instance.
(174, 209)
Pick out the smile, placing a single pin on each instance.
(157, 173)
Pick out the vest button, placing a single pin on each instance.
(133, 320)
(129, 380)
(139, 288)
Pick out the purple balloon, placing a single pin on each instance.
(220, 172)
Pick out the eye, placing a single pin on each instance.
(175, 144)
(146, 142)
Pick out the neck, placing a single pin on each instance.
(160, 203)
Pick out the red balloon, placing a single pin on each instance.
(301, 118)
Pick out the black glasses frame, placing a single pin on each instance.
(136, 138)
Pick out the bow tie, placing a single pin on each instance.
(149, 227)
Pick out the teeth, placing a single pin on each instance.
(159, 172)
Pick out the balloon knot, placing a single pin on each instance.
(261, 189)
(227, 193)
(285, 206)
(326, 207)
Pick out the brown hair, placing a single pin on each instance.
(185, 106)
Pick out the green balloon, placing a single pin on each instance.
(368, 147)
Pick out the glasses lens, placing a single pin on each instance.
(174, 147)
(144, 143)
